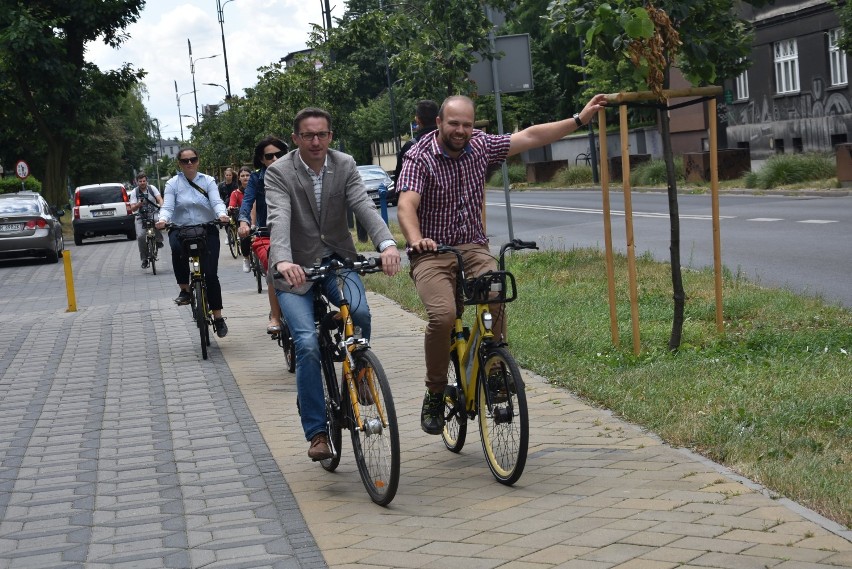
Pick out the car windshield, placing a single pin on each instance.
(12, 206)
(97, 196)
(373, 174)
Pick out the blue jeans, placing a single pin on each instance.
(298, 311)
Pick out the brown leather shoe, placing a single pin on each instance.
(319, 449)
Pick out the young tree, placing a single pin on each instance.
(705, 39)
(43, 66)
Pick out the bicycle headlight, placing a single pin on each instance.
(487, 321)
(196, 266)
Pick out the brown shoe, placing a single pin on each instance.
(319, 449)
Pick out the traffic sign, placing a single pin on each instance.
(22, 170)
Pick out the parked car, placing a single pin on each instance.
(373, 177)
(102, 209)
(29, 227)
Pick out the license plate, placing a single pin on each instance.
(11, 227)
(103, 212)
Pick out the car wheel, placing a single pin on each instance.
(78, 239)
(53, 256)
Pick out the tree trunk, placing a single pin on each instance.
(674, 221)
(54, 186)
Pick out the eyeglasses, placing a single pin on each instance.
(309, 136)
(271, 155)
(188, 161)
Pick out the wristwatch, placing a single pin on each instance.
(578, 120)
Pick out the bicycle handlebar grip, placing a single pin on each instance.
(526, 244)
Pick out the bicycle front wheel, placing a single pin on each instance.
(455, 417)
(503, 417)
(376, 444)
(200, 306)
(152, 254)
(233, 240)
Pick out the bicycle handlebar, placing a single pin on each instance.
(362, 266)
(215, 222)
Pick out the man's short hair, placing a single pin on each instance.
(311, 112)
(141, 175)
(427, 111)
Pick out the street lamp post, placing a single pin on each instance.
(227, 96)
(390, 96)
(180, 116)
(192, 71)
(158, 151)
(220, 6)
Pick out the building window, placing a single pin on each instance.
(786, 66)
(837, 58)
(838, 139)
(742, 86)
(779, 145)
(798, 147)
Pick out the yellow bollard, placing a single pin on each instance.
(69, 281)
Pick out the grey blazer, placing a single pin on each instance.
(299, 232)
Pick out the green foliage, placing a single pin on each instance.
(517, 175)
(12, 184)
(653, 173)
(783, 169)
(578, 175)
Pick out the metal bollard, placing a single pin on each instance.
(69, 282)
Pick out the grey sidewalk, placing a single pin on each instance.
(191, 463)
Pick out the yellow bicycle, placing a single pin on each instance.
(484, 380)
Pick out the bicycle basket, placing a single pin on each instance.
(193, 240)
(491, 287)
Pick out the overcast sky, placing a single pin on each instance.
(257, 33)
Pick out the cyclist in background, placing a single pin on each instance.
(145, 199)
(192, 198)
(441, 197)
(237, 197)
(228, 185)
(266, 152)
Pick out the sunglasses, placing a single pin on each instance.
(309, 136)
(271, 155)
(188, 161)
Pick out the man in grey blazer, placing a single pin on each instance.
(307, 193)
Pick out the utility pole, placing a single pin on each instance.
(220, 7)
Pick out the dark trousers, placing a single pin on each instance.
(209, 265)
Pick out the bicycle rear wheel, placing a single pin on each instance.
(255, 268)
(285, 340)
(376, 446)
(503, 417)
(455, 417)
(332, 413)
(233, 240)
(200, 306)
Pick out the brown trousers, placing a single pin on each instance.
(435, 280)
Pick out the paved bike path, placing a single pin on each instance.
(597, 492)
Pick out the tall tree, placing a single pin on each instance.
(705, 39)
(42, 58)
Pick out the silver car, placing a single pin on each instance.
(373, 177)
(29, 227)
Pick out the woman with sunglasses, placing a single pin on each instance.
(192, 198)
(266, 152)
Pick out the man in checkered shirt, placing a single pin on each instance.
(441, 192)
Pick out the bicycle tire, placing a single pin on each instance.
(454, 432)
(503, 416)
(333, 408)
(201, 316)
(233, 240)
(152, 255)
(285, 340)
(376, 447)
(255, 268)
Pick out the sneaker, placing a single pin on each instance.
(183, 298)
(145, 264)
(246, 266)
(220, 327)
(432, 414)
(319, 449)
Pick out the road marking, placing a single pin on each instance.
(817, 221)
(765, 219)
(600, 211)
